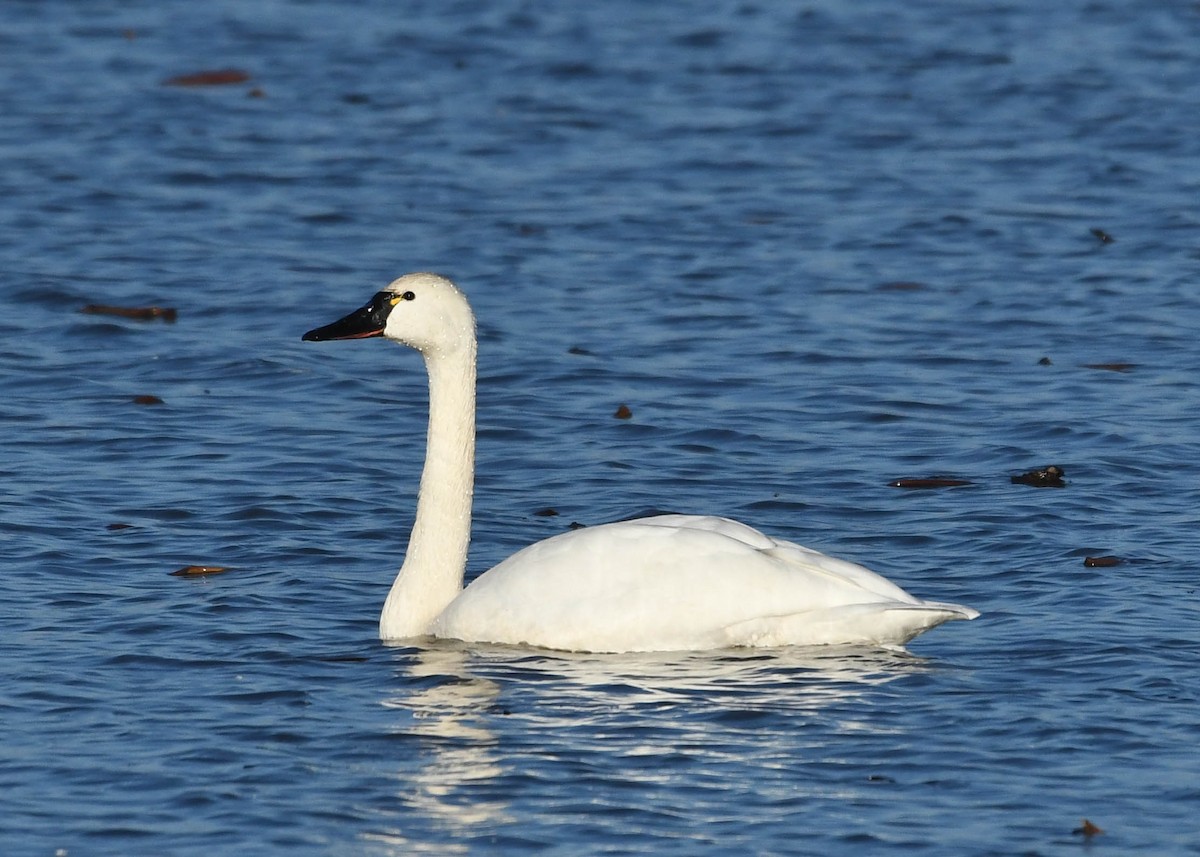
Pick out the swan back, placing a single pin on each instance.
(683, 582)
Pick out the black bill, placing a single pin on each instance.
(360, 324)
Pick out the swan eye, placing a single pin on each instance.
(407, 296)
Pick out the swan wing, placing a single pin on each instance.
(676, 582)
(882, 624)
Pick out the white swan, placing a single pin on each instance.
(675, 582)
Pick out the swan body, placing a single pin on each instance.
(672, 582)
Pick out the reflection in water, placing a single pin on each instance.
(658, 712)
(446, 707)
(787, 679)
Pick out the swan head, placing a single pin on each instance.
(424, 311)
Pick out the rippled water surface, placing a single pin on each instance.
(813, 249)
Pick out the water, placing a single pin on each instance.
(814, 249)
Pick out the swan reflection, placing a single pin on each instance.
(450, 789)
(492, 724)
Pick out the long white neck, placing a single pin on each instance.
(432, 574)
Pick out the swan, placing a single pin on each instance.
(665, 583)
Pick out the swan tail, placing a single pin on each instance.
(881, 624)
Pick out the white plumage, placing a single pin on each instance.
(673, 582)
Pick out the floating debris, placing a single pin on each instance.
(147, 400)
(1087, 829)
(1104, 237)
(1111, 367)
(199, 570)
(623, 412)
(1045, 361)
(548, 512)
(140, 313)
(216, 77)
(930, 482)
(1048, 477)
(1106, 561)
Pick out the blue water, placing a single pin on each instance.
(814, 249)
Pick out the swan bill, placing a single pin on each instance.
(363, 323)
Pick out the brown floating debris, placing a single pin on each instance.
(199, 570)
(141, 313)
(1087, 829)
(1048, 477)
(1104, 237)
(1102, 561)
(1111, 367)
(1045, 361)
(216, 77)
(930, 482)
(623, 412)
(147, 400)
(548, 512)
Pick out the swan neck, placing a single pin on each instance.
(436, 560)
